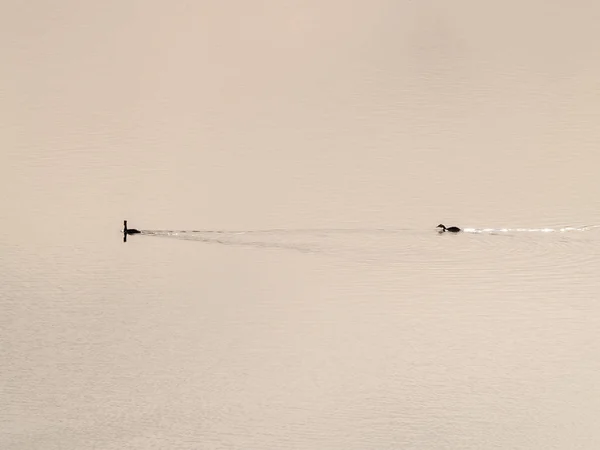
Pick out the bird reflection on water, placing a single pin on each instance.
(128, 231)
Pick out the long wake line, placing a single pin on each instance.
(530, 230)
(323, 232)
(371, 243)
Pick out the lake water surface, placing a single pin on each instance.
(287, 165)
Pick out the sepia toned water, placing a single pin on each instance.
(287, 164)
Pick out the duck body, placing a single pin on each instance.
(129, 230)
(444, 228)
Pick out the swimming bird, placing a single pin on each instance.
(450, 229)
(129, 230)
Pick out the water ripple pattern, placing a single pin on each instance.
(449, 254)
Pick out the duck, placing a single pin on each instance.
(450, 229)
(129, 230)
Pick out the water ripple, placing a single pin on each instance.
(473, 252)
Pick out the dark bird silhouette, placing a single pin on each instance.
(450, 229)
(129, 230)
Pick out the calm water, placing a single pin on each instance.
(287, 166)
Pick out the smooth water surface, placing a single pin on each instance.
(287, 165)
